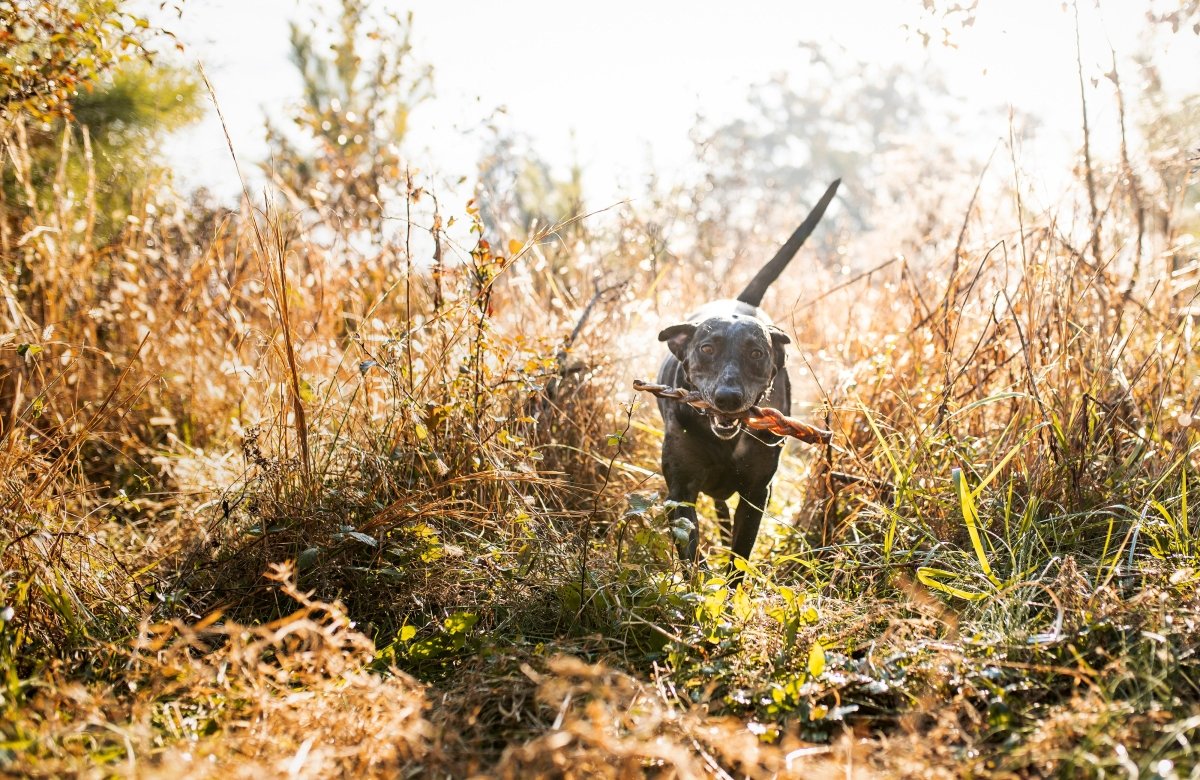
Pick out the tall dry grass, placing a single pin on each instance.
(430, 430)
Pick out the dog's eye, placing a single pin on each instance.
(707, 349)
(757, 354)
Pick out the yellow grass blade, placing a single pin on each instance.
(1004, 461)
(932, 578)
(966, 500)
(887, 451)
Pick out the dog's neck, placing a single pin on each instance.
(766, 390)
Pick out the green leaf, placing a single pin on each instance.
(308, 558)
(1183, 508)
(883, 443)
(639, 503)
(427, 649)
(364, 538)
(742, 607)
(816, 659)
(991, 399)
(460, 623)
(1029, 434)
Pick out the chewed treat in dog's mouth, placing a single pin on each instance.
(724, 427)
(754, 418)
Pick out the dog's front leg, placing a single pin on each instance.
(746, 520)
(684, 464)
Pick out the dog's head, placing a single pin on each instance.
(731, 360)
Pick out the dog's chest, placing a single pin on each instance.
(729, 467)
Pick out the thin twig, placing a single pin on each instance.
(1089, 174)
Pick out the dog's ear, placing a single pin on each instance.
(677, 338)
(778, 339)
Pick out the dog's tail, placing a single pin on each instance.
(753, 294)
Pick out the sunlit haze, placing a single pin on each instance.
(618, 92)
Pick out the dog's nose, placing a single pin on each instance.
(728, 399)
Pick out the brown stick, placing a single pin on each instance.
(759, 418)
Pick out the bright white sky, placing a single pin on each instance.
(618, 85)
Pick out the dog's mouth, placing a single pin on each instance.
(723, 426)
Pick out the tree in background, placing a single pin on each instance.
(85, 103)
(1173, 156)
(875, 126)
(84, 113)
(116, 129)
(343, 158)
(839, 118)
(518, 190)
(53, 49)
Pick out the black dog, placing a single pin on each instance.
(731, 353)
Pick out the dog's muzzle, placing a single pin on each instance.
(724, 427)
